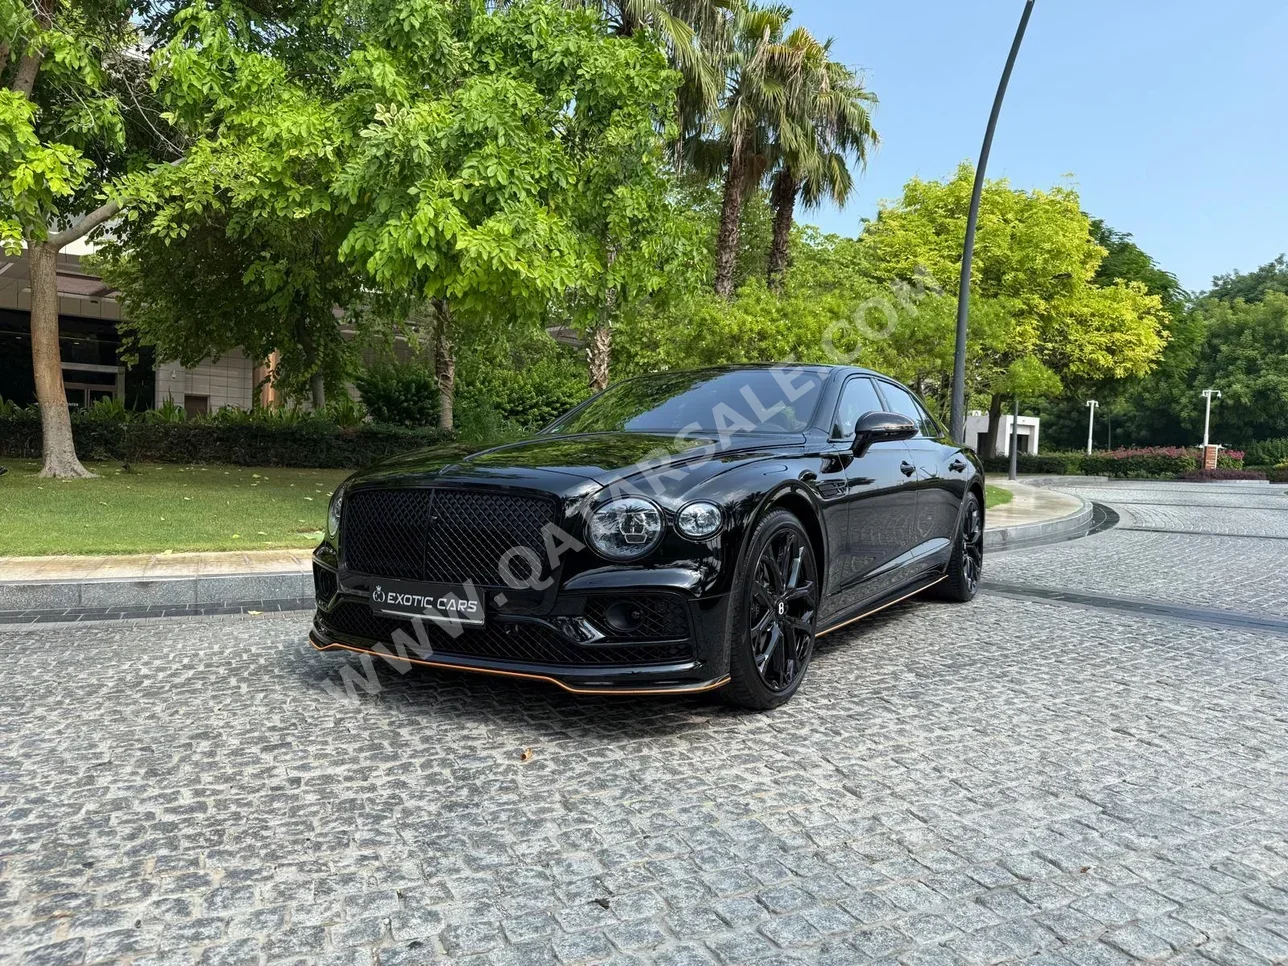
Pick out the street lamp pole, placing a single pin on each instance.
(1091, 425)
(958, 411)
(1015, 443)
(1207, 419)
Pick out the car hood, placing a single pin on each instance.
(560, 463)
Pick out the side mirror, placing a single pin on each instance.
(881, 428)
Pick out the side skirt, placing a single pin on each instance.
(902, 595)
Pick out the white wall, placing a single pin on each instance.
(977, 425)
(228, 382)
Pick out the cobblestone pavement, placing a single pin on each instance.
(1190, 544)
(1009, 780)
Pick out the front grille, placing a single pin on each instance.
(659, 617)
(502, 641)
(444, 535)
(324, 583)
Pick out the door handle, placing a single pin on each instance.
(957, 465)
(907, 468)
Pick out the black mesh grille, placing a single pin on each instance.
(502, 641)
(649, 618)
(384, 532)
(443, 535)
(473, 531)
(324, 582)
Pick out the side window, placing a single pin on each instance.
(858, 397)
(905, 404)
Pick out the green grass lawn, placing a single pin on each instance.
(163, 507)
(996, 495)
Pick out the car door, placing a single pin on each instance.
(939, 487)
(880, 504)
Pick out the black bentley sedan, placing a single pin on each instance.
(676, 533)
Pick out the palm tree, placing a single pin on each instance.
(764, 77)
(830, 125)
(696, 35)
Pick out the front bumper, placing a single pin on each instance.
(679, 647)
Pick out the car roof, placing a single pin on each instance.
(820, 368)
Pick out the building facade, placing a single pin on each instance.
(1027, 434)
(90, 344)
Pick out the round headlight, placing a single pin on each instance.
(698, 520)
(333, 513)
(625, 529)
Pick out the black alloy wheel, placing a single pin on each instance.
(973, 545)
(774, 639)
(967, 562)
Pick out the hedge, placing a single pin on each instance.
(306, 443)
(1054, 464)
(1153, 461)
(1220, 474)
(1268, 452)
(1275, 474)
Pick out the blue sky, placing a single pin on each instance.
(1167, 116)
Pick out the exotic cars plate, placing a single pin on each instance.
(440, 603)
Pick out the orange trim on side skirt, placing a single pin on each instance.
(881, 608)
(684, 689)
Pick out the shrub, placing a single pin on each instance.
(1054, 464)
(1230, 459)
(399, 394)
(532, 396)
(344, 411)
(109, 409)
(1267, 452)
(300, 440)
(1221, 473)
(1150, 461)
(168, 412)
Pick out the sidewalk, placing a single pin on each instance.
(259, 578)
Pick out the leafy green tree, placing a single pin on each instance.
(469, 149)
(1245, 355)
(1036, 262)
(1252, 286)
(452, 163)
(75, 113)
(830, 126)
(267, 285)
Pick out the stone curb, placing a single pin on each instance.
(1047, 531)
(134, 592)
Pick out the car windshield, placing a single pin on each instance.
(780, 400)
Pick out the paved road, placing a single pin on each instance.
(1017, 779)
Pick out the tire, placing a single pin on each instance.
(967, 562)
(766, 666)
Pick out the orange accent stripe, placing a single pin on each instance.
(876, 610)
(687, 689)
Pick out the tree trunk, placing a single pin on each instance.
(598, 356)
(599, 353)
(24, 79)
(47, 366)
(445, 368)
(317, 390)
(730, 221)
(994, 425)
(783, 199)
